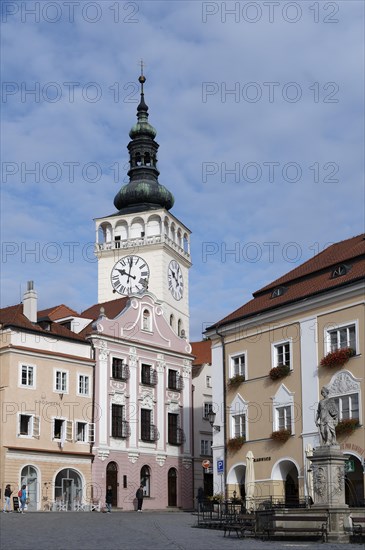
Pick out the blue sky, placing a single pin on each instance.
(259, 114)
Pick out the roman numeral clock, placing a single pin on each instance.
(143, 247)
(130, 275)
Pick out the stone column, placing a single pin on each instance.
(328, 464)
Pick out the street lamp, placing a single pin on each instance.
(211, 418)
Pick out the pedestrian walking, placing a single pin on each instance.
(7, 494)
(200, 498)
(22, 498)
(139, 495)
(109, 499)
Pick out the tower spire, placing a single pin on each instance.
(143, 192)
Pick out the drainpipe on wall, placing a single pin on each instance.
(224, 412)
(93, 412)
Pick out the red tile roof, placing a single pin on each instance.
(57, 312)
(112, 309)
(13, 316)
(202, 351)
(311, 278)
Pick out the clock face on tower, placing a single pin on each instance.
(130, 275)
(175, 280)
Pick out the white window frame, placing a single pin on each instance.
(329, 330)
(239, 425)
(34, 369)
(238, 408)
(66, 429)
(86, 431)
(208, 381)
(146, 324)
(287, 417)
(274, 352)
(63, 372)
(206, 445)
(241, 371)
(339, 401)
(34, 426)
(283, 398)
(207, 407)
(85, 376)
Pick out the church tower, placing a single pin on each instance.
(143, 246)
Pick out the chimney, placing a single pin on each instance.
(30, 302)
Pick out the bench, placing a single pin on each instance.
(358, 528)
(240, 524)
(311, 525)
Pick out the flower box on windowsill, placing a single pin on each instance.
(281, 435)
(346, 427)
(235, 443)
(236, 380)
(279, 372)
(337, 358)
(217, 498)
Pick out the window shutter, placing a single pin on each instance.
(36, 426)
(92, 433)
(68, 430)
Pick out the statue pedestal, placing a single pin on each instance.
(328, 465)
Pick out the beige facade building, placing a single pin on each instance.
(272, 356)
(47, 425)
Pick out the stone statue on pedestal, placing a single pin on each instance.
(327, 419)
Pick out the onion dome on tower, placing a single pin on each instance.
(143, 192)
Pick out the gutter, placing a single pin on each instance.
(224, 412)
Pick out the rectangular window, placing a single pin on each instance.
(28, 425)
(146, 422)
(58, 428)
(81, 432)
(84, 384)
(174, 434)
(282, 354)
(208, 381)
(206, 447)
(117, 420)
(208, 407)
(27, 376)
(238, 365)
(342, 337)
(283, 418)
(61, 381)
(239, 425)
(348, 406)
(148, 375)
(120, 370)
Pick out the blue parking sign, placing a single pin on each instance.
(220, 466)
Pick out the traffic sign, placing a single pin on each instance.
(206, 463)
(220, 466)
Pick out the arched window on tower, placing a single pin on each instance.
(146, 320)
(172, 321)
(180, 328)
(147, 159)
(138, 159)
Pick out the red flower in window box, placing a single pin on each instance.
(337, 358)
(236, 380)
(281, 435)
(279, 372)
(235, 443)
(347, 426)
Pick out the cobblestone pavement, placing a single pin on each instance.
(128, 531)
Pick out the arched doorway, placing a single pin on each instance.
(68, 487)
(172, 487)
(354, 482)
(112, 480)
(291, 489)
(29, 477)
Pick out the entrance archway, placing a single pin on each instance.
(172, 487)
(112, 480)
(29, 477)
(68, 487)
(354, 482)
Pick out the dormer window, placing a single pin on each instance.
(340, 270)
(279, 291)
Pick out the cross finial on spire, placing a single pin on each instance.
(142, 78)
